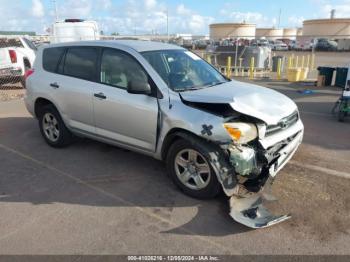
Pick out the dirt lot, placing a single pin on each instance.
(92, 198)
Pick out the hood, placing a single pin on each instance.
(252, 100)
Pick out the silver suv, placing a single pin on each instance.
(166, 102)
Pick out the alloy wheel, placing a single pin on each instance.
(192, 169)
(50, 127)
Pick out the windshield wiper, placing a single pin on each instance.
(189, 88)
(213, 84)
(198, 87)
(181, 89)
(216, 84)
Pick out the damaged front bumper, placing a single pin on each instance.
(247, 198)
(251, 212)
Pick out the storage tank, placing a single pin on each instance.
(231, 30)
(269, 33)
(290, 33)
(337, 28)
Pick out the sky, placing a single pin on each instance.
(149, 16)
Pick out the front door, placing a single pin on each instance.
(129, 119)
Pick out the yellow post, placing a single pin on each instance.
(209, 59)
(289, 62)
(308, 61)
(236, 70)
(228, 67)
(302, 61)
(279, 66)
(296, 61)
(312, 67)
(251, 69)
(240, 66)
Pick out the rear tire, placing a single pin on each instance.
(195, 168)
(52, 127)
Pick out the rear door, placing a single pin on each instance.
(130, 119)
(72, 84)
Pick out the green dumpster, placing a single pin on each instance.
(327, 72)
(340, 78)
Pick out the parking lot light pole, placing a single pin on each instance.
(56, 12)
(167, 20)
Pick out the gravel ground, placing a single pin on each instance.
(11, 91)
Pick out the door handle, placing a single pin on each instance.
(100, 95)
(54, 85)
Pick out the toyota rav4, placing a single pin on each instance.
(215, 134)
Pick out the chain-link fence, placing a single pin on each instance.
(16, 57)
(295, 58)
(260, 61)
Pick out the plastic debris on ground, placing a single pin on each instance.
(306, 92)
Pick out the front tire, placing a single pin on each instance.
(189, 167)
(53, 129)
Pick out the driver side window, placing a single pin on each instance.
(119, 69)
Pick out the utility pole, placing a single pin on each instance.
(167, 22)
(279, 18)
(56, 12)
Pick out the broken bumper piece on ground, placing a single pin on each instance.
(250, 212)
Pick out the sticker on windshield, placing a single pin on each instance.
(192, 55)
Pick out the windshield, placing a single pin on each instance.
(182, 70)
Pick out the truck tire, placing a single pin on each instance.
(26, 67)
(52, 127)
(189, 166)
(23, 82)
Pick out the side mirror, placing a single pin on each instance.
(138, 84)
(139, 87)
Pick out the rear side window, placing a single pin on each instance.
(81, 62)
(51, 58)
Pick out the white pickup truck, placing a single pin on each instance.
(17, 55)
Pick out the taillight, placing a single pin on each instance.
(28, 73)
(13, 56)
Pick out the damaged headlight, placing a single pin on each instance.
(241, 133)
